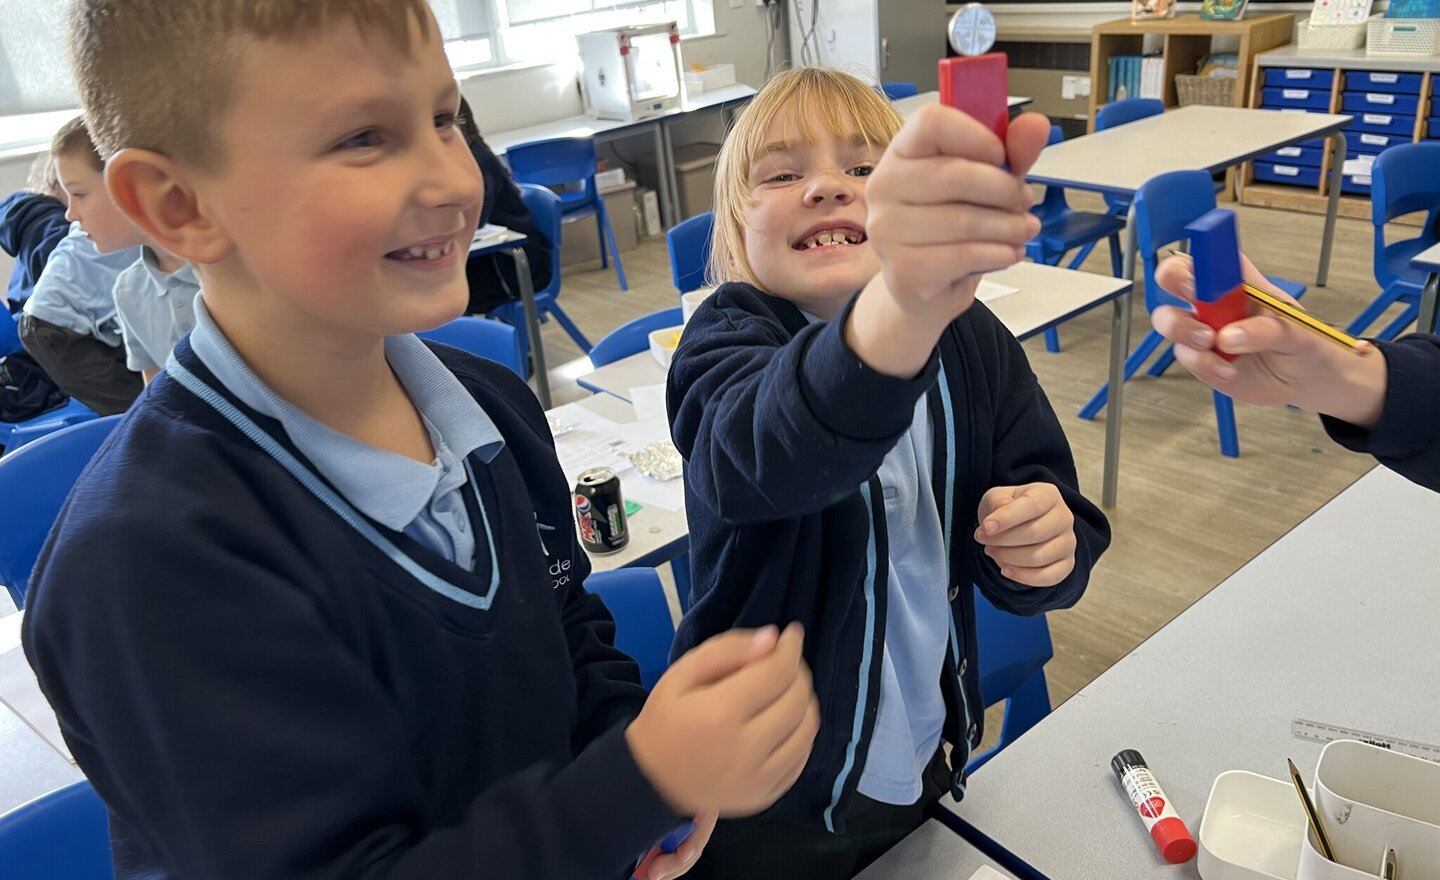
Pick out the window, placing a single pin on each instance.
(34, 73)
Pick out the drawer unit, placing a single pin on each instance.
(1355, 184)
(1380, 102)
(1383, 123)
(1296, 98)
(1299, 77)
(1296, 175)
(1297, 155)
(1383, 81)
(1368, 142)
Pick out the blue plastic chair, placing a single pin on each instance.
(568, 161)
(1062, 229)
(482, 337)
(544, 208)
(34, 482)
(1164, 205)
(10, 336)
(897, 90)
(1122, 113)
(1013, 654)
(14, 435)
(643, 626)
(633, 336)
(1404, 182)
(689, 246)
(64, 834)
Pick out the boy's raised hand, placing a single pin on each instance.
(729, 726)
(942, 210)
(1029, 532)
(1282, 364)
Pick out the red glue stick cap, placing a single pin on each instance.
(1174, 840)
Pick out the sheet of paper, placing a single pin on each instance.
(986, 872)
(20, 691)
(989, 291)
(595, 441)
(649, 401)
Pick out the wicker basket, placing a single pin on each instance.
(1331, 36)
(1215, 91)
(1403, 36)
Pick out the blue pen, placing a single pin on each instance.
(668, 844)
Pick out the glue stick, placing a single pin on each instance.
(1166, 829)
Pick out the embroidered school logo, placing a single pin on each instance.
(559, 568)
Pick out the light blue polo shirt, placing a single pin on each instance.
(422, 500)
(155, 308)
(76, 290)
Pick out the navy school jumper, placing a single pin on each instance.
(1407, 437)
(783, 429)
(258, 691)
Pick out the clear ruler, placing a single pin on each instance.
(1316, 731)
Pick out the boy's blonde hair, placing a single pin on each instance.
(73, 139)
(159, 74)
(843, 104)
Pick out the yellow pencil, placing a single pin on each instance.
(1294, 314)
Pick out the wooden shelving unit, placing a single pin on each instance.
(1186, 39)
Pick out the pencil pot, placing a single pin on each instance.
(1369, 799)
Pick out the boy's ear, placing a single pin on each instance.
(159, 197)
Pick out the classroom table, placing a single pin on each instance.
(931, 852)
(1334, 623)
(511, 243)
(1429, 260)
(906, 106)
(657, 127)
(32, 767)
(1048, 296)
(1119, 160)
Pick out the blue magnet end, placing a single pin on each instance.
(1215, 247)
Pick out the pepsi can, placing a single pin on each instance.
(600, 511)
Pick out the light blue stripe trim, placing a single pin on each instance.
(949, 409)
(866, 657)
(197, 386)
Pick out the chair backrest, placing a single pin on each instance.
(34, 481)
(897, 90)
(633, 337)
(65, 833)
(689, 244)
(644, 628)
(9, 336)
(1404, 181)
(492, 340)
(1127, 110)
(554, 162)
(1011, 648)
(544, 208)
(1164, 205)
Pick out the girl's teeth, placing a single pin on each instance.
(431, 253)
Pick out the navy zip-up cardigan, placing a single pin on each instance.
(258, 691)
(783, 428)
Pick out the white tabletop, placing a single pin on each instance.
(1120, 159)
(588, 126)
(1335, 622)
(1429, 259)
(1047, 296)
(1349, 59)
(32, 766)
(906, 106)
(931, 852)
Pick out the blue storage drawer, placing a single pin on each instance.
(1382, 81)
(1355, 184)
(1299, 77)
(1299, 155)
(1380, 102)
(1383, 123)
(1367, 142)
(1298, 175)
(1295, 97)
(1433, 129)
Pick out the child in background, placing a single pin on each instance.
(317, 607)
(1378, 399)
(492, 278)
(32, 223)
(69, 324)
(155, 301)
(863, 442)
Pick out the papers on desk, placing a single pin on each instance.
(986, 872)
(989, 291)
(20, 691)
(488, 234)
(595, 441)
